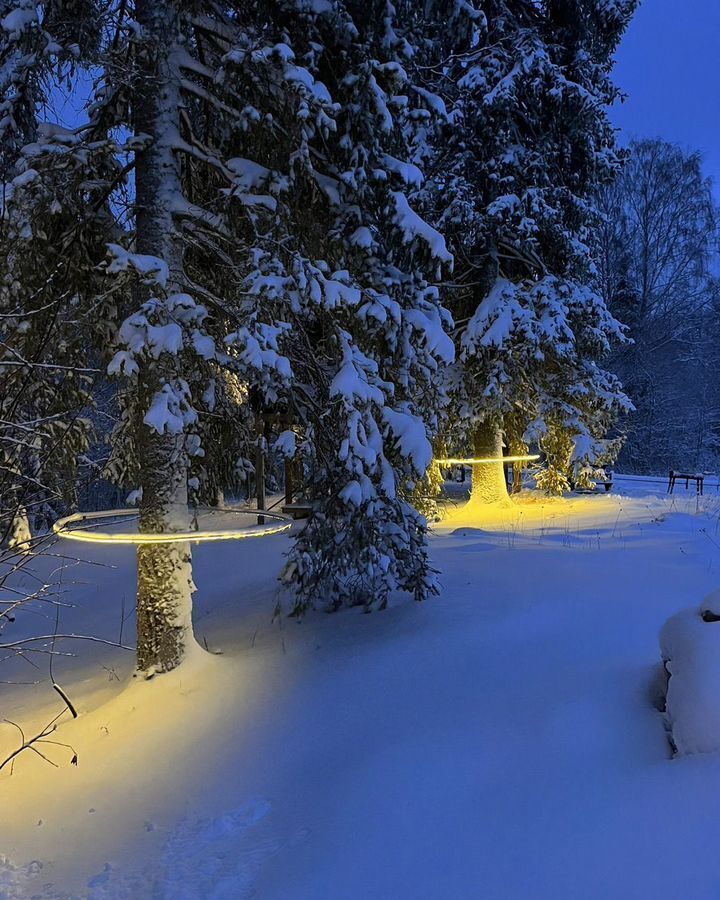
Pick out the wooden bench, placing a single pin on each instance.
(687, 477)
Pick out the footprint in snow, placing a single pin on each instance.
(25, 882)
(217, 859)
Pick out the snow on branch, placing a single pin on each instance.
(414, 227)
(151, 269)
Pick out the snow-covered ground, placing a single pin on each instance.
(498, 742)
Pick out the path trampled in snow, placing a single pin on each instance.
(498, 742)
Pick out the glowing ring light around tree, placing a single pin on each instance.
(63, 528)
(486, 459)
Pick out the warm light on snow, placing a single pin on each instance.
(533, 509)
(63, 528)
(477, 461)
(204, 782)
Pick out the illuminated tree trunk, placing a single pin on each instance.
(517, 477)
(488, 479)
(164, 602)
(514, 428)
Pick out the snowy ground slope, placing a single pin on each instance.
(497, 742)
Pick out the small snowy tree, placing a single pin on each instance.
(556, 442)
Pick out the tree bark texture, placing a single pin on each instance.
(488, 479)
(164, 601)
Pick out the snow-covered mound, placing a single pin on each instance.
(690, 648)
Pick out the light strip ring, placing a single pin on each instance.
(488, 459)
(60, 528)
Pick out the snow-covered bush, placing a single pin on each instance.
(690, 649)
(557, 444)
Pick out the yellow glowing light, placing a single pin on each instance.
(476, 461)
(281, 523)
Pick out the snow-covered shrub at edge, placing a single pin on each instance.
(690, 648)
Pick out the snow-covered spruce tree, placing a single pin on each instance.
(528, 146)
(46, 266)
(161, 409)
(63, 212)
(44, 373)
(329, 316)
(341, 261)
(269, 237)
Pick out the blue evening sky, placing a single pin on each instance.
(669, 65)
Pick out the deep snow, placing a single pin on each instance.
(499, 741)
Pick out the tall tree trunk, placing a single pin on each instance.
(488, 479)
(164, 603)
(517, 477)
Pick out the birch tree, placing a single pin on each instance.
(655, 253)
